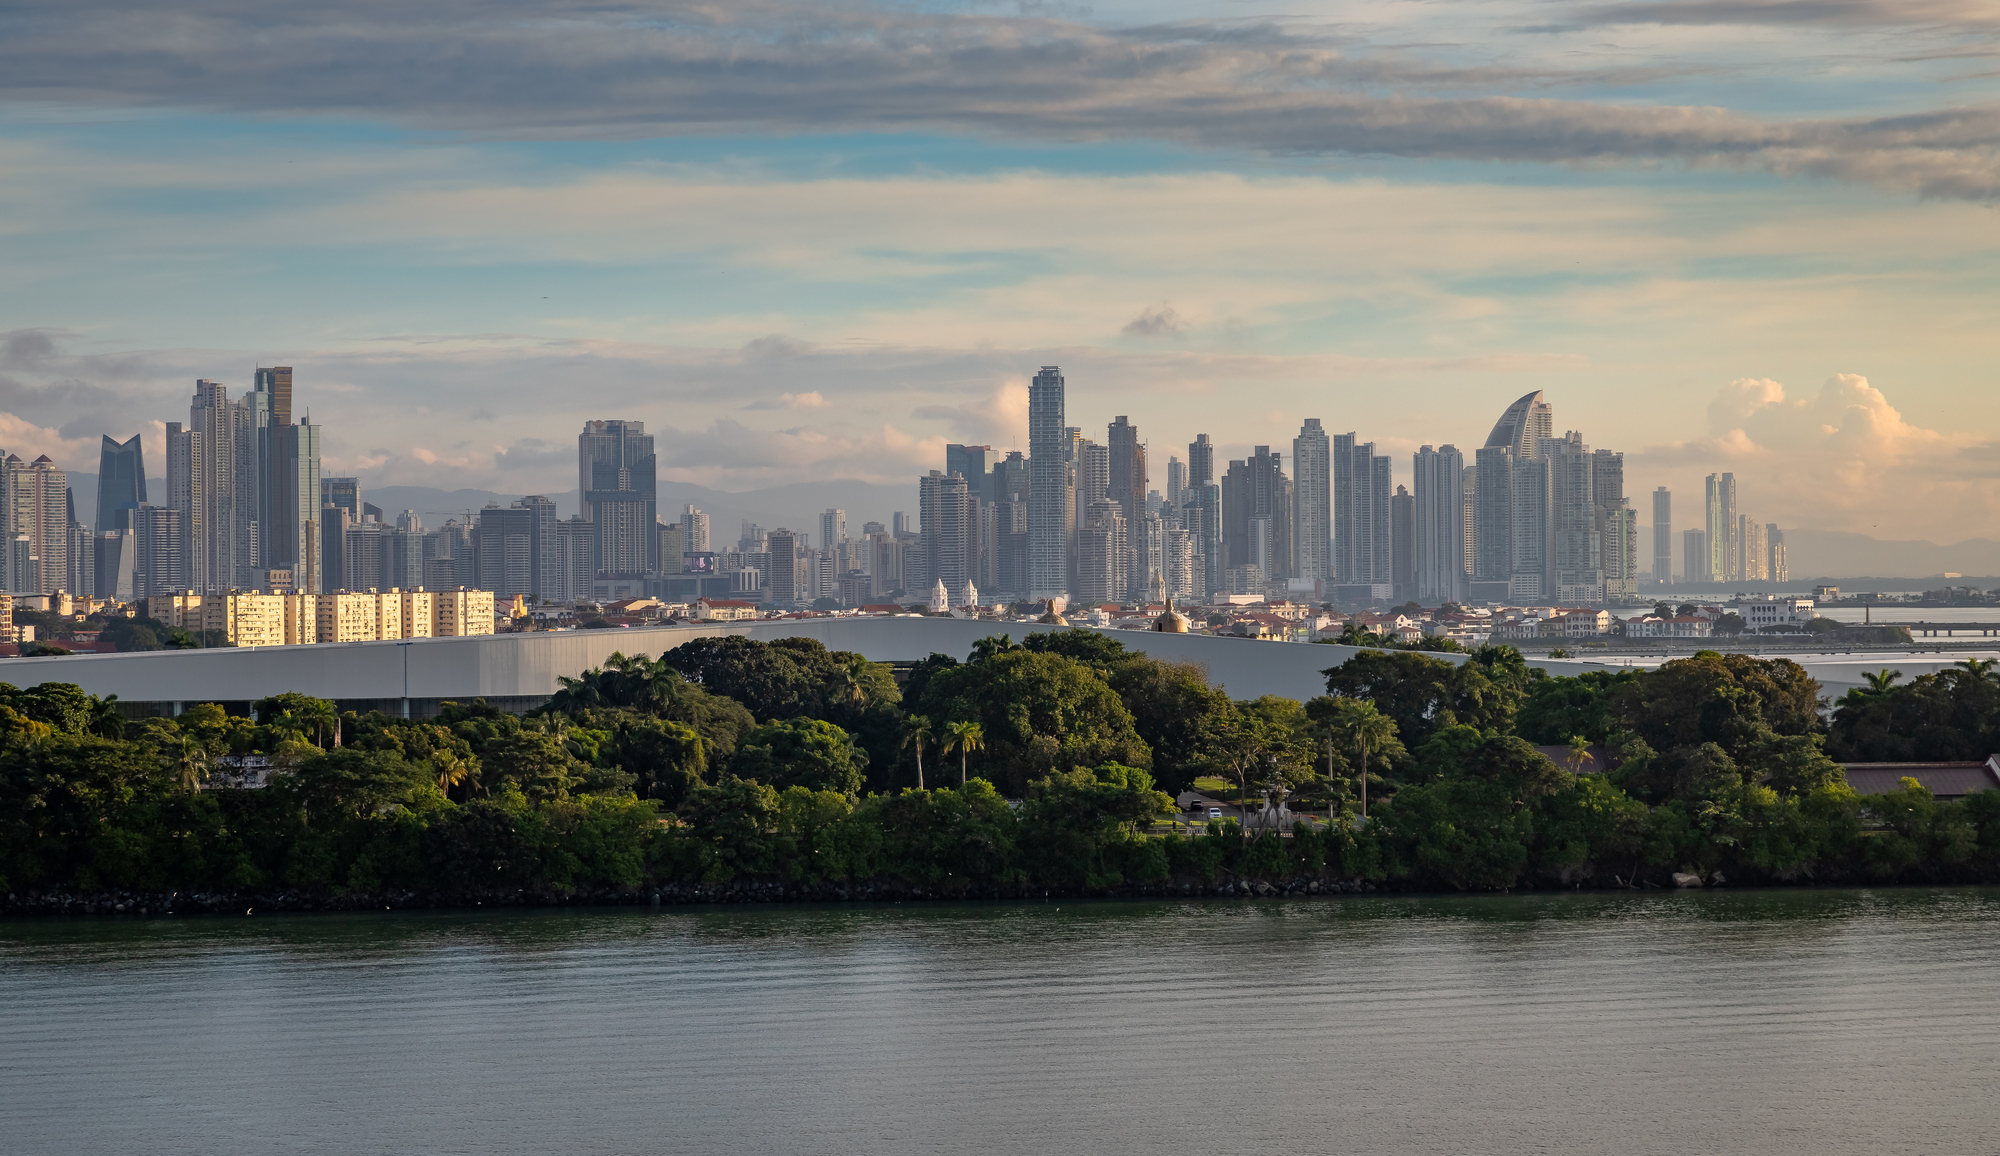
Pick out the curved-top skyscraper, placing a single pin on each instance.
(1523, 426)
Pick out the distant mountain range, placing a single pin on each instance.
(1812, 554)
(1844, 554)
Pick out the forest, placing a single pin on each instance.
(729, 767)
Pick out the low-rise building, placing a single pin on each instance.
(724, 610)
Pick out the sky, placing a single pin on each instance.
(821, 240)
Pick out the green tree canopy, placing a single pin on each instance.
(1423, 695)
(808, 753)
(1039, 712)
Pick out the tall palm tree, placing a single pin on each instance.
(1579, 754)
(189, 762)
(319, 714)
(1365, 729)
(963, 737)
(917, 731)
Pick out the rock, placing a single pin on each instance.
(1684, 879)
(1715, 879)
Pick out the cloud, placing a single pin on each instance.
(1841, 458)
(592, 69)
(1155, 321)
(808, 400)
(1951, 14)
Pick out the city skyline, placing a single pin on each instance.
(1404, 473)
(1384, 216)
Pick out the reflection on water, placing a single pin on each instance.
(1775, 1022)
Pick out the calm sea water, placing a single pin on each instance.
(1769, 1023)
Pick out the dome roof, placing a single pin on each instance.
(1170, 621)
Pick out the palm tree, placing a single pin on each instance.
(319, 714)
(451, 769)
(190, 763)
(1977, 670)
(106, 720)
(1880, 681)
(1579, 754)
(1365, 728)
(963, 737)
(916, 732)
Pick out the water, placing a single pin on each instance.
(1767, 1022)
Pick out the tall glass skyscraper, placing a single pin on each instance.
(121, 480)
(1437, 529)
(1050, 511)
(617, 487)
(1312, 532)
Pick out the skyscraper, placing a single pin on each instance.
(1532, 532)
(1694, 556)
(1176, 481)
(1493, 524)
(949, 533)
(1721, 529)
(969, 462)
(1524, 426)
(1402, 546)
(1050, 509)
(1102, 552)
(1663, 535)
(293, 500)
(1438, 525)
(206, 482)
(1127, 468)
(782, 586)
(1361, 518)
(1576, 528)
(34, 499)
(515, 549)
(1312, 515)
(1201, 462)
(694, 530)
(344, 493)
(832, 528)
(121, 480)
(617, 484)
(1780, 570)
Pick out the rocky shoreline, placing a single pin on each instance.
(743, 891)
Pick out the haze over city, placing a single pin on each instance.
(821, 242)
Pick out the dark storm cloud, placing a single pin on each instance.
(592, 69)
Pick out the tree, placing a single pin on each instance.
(1238, 747)
(916, 732)
(1730, 625)
(1423, 694)
(189, 763)
(1173, 709)
(992, 644)
(1363, 728)
(1557, 708)
(963, 737)
(1039, 712)
(106, 720)
(809, 753)
(1579, 754)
